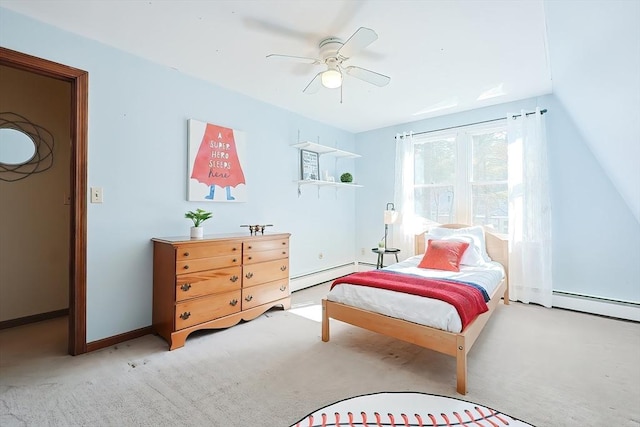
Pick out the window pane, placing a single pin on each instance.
(489, 157)
(435, 203)
(435, 161)
(490, 206)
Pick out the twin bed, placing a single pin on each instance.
(426, 320)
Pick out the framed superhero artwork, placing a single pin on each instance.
(215, 171)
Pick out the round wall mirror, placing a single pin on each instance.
(16, 148)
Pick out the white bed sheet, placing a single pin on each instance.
(425, 311)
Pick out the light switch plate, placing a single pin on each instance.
(96, 194)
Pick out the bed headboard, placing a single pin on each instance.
(497, 244)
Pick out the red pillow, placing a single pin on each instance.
(443, 255)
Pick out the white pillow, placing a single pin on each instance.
(475, 233)
(471, 255)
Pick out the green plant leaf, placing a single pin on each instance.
(198, 216)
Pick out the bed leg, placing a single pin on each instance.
(325, 322)
(461, 366)
(505, 297)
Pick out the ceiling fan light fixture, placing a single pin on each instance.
(332, 78)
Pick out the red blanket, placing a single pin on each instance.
(467, 300)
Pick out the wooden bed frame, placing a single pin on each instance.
(454, 344)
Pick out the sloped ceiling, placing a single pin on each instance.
(595, 66)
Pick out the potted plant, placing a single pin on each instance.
(346, 177)
(198, 217)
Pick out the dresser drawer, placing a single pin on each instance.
(256, 274)
(199, 310)
(265, 293)
(208, 282)
(265, 245)
(253, 257)
(201, 264)
(188, 252)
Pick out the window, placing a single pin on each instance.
(461, 176)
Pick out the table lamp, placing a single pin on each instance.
(390, 216)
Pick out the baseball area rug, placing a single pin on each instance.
(406, 409)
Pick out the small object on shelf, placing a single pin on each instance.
(309, 165)
(255, 229)
(346, 177)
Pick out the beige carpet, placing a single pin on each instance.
(546, 367)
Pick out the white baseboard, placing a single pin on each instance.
(315, 278)
(620, 310)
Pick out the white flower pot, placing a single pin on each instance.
(197, 232)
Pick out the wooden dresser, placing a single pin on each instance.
(217, 281)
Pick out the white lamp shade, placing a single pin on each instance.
(331, 79)
(390, 217)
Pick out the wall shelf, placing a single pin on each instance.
(323, 149)
(319, 183)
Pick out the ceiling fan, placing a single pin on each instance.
(334, 53)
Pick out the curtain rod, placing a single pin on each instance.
(476, 123)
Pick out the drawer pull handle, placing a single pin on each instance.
(186, 254)
(283, 288)
(233, 302)
(283, 268)
(186, 267)
(234, 278)
(284, 252)
(248, 247)
(234, 249)
(186, 287)
(249, 257)
(249, 275)
(284, 243)
(234, 260)
(185, 315)
(248, 298)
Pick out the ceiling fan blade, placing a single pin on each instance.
(279, 30)
(295, 58)
(314, 85)
(368, 76)
(362, 38)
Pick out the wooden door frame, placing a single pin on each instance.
(79, 81)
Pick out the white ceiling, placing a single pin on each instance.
(437, 53)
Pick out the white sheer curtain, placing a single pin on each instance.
(529, 210)
(405, 228)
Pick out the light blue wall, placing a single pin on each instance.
(596, 238)
(138, 114)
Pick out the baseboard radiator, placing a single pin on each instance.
(596, 305)
(307, 280)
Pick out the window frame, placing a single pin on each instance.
(464, 174)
